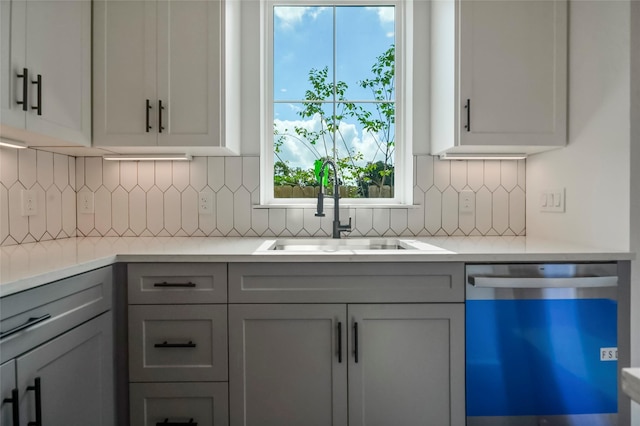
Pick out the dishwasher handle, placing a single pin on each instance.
(484, 281)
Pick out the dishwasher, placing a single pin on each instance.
(541, 344)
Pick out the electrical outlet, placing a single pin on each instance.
(85, 202)
(467, 202)
(29, 202)
(205, 202)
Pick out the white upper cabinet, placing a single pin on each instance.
(505, 88)
(157, 73)
(45, 92)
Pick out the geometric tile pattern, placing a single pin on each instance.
(52, 178)
(161, 199)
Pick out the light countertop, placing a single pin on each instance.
(29, 265)
(631, 383)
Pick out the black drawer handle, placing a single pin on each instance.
(177, 285)
(36, 388)
(25, 88)
(29, 323)
(15, 407)
(168, 423)
(166, 344)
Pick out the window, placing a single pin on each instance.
(333, 79)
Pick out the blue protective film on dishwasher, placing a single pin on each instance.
(541, 357)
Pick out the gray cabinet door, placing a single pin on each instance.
(285, 368)
(410, 365)
(7, 385)
(76, 377)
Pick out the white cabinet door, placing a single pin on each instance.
(407, 365)
(12, 62)
(498, 76)
(287, 365)
(124, 73)
(513, 58)
(8, 393)
(189, 61)
(157, 79)
(59, 50)
(52, 40)
(75, 376)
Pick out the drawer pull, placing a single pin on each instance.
(31, 321)
(166, 344)
(178, 285)
(168, 423)
(15, 407)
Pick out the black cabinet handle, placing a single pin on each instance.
(166, 344)
(160, 109)
(355, 341)
(15, 407)
(29, 323)
(148, 108)
(36, 388)
(38, 82)
(339, 341)
(166, 284)
(25, 88)
(168, 423)
(468, 108)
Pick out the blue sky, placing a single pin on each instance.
(304, 39)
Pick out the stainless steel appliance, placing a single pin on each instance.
(541, 345)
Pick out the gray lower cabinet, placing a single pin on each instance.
(285, 365)
(8, 395)
(154, 404)
(72, 376)
(178, 356)
(290, 364)
(56, 345)
(406, 365)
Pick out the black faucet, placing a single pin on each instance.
(337, 227)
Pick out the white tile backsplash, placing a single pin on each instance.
(160, 199)
(48, 175)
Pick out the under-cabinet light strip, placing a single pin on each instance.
(148, 157)
(12, 144)
(454, 156)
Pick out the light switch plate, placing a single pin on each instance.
(552, 200)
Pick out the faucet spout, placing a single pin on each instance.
(337, 226)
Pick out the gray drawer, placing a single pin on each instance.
(34, 316)
(346, 282)
(169, 283)
(205, 403)
(177, 343)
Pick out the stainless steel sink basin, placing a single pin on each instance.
(324, 245)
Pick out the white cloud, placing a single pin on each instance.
(290, 16)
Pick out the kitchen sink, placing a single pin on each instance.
(346, 244)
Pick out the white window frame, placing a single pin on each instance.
(403, 173)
